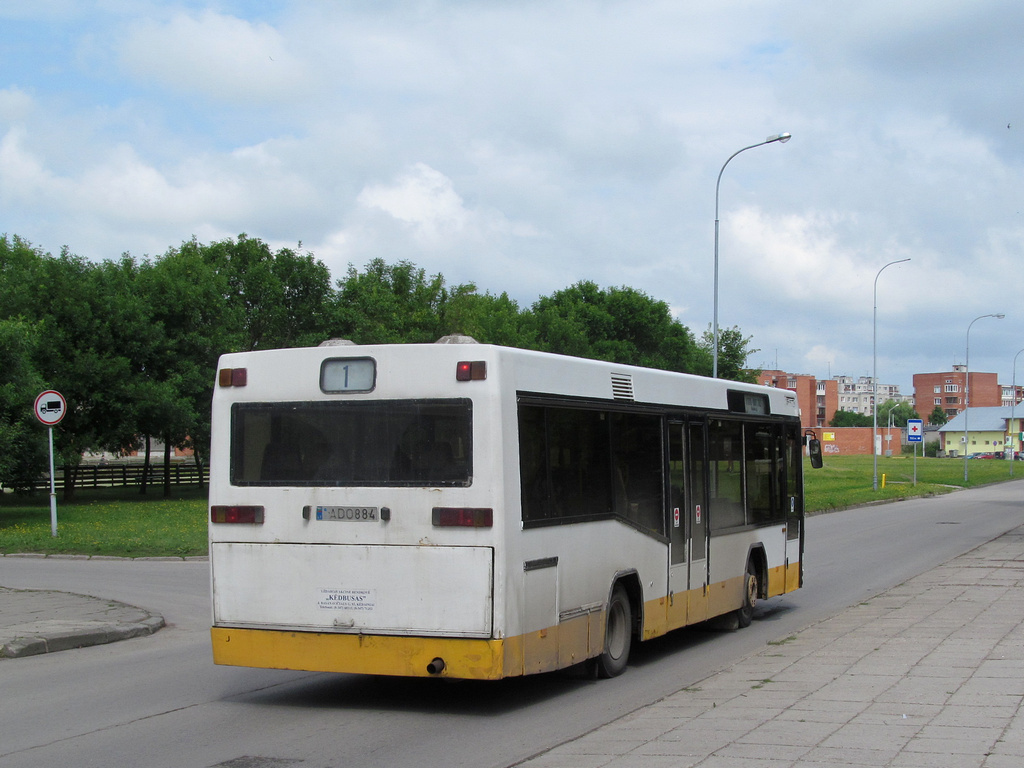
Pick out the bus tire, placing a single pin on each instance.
(750, 590)
(618, 635)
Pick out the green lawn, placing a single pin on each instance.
(116, 522)
(846, 481)
(120, 522)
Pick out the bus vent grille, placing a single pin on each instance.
(622, 386)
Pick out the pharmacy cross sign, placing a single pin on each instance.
(915, 430)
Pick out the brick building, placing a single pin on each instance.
(818, 400)
(1012, 395)
(947, 391)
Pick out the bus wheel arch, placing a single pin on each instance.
(622, 618)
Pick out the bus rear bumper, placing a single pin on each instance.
(464, 658)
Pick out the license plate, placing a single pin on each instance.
(348, 514)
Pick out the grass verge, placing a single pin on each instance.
(115, 522)
(847, 481)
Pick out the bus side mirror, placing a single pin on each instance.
(814, 451)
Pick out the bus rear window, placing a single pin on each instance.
(379, 443)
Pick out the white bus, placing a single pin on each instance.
(473, 511)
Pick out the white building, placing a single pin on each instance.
(857, 396)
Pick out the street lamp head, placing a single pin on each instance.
(782, 138)
(999, 316)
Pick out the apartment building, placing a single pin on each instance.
(1012, 394)
(818, 400)
(947, 391)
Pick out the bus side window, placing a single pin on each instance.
(637, 470)
(726, 502)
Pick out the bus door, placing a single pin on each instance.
(795, 509)
(698, 497)
(688, 531)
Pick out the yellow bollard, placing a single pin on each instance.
(883, 480)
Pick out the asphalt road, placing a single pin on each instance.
(159, 701)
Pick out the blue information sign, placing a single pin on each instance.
(915, 430)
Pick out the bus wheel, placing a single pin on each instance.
(618, 635)
(746, 614)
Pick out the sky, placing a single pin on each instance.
(526, 145)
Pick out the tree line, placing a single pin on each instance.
(888, 412)
(133, 344)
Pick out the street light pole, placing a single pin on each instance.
(1013, 405)
(874, 384)
(782, 138)
(967, 380)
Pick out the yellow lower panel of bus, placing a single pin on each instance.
(366, 654)
(557, 647)
(785, 578)
(554, 648)
(793, 577)
(696, 605)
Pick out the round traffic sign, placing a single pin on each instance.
(50, 407)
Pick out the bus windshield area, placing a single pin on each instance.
(374, 443)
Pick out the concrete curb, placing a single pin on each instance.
(62, 556)
(46, 621)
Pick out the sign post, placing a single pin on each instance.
(915, 435)
(50, 408)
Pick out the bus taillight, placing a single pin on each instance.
(475, 370)
(233, 377)
(465, 517)
(223, 513)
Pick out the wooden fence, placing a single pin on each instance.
(118, 475)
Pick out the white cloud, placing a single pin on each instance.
(423, 199)
(15, 105)
(425, 203)
(221, 57)
(23, 178)
(420, 217)
(797, 258)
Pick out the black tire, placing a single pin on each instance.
(750, 590)
(618, 635)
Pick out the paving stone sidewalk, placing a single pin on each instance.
(929, 673)
(43, 621)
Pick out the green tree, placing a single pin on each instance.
(87, 336)
(23, 452)
(938, 417)
(621, 325)
(277, 299)
(488, 318)
(391, 304)
(188, 292)
(733, 352)
(21, 277)
(900, 413)
(850, 419)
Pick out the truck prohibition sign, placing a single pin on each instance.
(50, 407)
